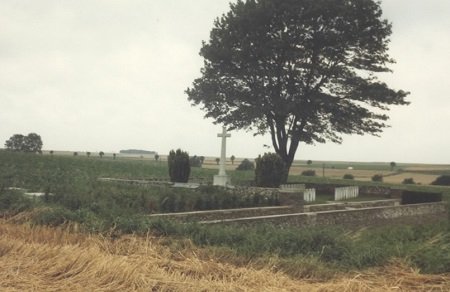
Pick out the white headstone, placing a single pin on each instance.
(222, 179)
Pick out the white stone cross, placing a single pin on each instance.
(224, 135)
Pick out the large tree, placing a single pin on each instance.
(302, 70)
(30, 143)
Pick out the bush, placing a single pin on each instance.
(408, 181)
(411, 197)
(246, 165)
(179, 167)
(270, 170)
(309, 172)
(348, 176)
(14, 202)
(195, 161)
(443, 180)
(377, 178)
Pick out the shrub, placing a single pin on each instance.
(348, 176)
(377, 178)
(246, 165)
(14, 202)
(195, 161)
(309, 172)
(179, 167)
(270, 170)
(411, 197)
(443, 180)
(408, 181)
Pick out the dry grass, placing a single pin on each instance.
(46, 259)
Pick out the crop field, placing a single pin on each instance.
(50, 259)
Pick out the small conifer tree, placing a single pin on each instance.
(179, 166)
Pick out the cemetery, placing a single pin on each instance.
(296, 204)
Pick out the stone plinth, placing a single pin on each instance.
(221, 180)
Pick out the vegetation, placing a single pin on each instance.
(348, 176)
(76, 198)
(443, 180)
(305, 79)
(70, 261)
(179, 167)
(195, 161)
(232, 158)
(246, 165)
(270, 170)
(377, 178)
(408, 181)
(309, 172)
(393, 165)
(31, 143)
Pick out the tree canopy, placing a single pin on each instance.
(301, 70)
(30, 143)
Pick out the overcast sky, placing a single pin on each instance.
(91, 75)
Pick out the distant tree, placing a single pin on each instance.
(202, 159)
(246, 165)
(348, 176)
(156, 157)
(393, 165)
(114, 155)
(309, 172)
(195, 161)
(232, 158)
(302, 71)
(51, 152)
(88, 154)
(15, 143)
(31, 143)
(217, 161)
(101, 153)
(75, 154)
(377, 178)
(309, 162)
(409, 181)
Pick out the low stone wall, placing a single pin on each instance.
(414, 214)
(350, 205)
(227, 213)
(266, 211)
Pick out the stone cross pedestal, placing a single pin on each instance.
(222, 179)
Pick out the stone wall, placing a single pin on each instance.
(413, 214)
(350, 205)
(227, 213)
(211, 215)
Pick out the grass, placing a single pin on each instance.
(79, 199)
(49, 259)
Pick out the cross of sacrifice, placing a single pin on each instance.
(224, 135)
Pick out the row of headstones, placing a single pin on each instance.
(309, 195)
(345, 193)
